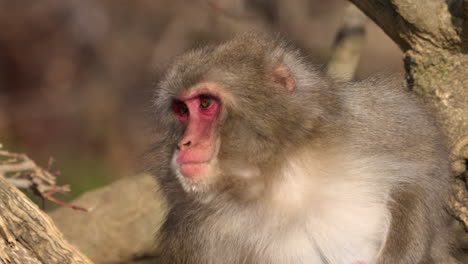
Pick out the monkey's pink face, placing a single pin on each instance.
(195, 158)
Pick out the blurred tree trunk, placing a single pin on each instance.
(122, 222)
(348, 44)
(434, 38)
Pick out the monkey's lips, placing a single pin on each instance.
(192, 169)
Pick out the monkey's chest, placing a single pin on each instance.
(332, 220)
(342, 229)
(337, 236)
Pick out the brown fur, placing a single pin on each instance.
(370, 134)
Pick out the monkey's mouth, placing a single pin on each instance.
(193, 169)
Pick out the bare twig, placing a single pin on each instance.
(21, 171)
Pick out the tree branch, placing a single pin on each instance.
(122, 221)
(413, 24)
(28, 235)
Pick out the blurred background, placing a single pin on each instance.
(77, 76)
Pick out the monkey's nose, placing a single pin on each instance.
(184, 145)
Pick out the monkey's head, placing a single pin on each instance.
(233, 111)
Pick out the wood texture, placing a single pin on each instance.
(28, 235)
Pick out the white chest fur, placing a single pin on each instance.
(317, 211)
(344, 207)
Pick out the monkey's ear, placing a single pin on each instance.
(282, 76)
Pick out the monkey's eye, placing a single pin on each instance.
(205, 101)
(180, 108)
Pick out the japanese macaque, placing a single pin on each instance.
(264, 160)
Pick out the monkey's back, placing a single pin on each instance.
(385, 120)
(387, 115)
(382, 118)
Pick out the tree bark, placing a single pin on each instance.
(28, 235)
